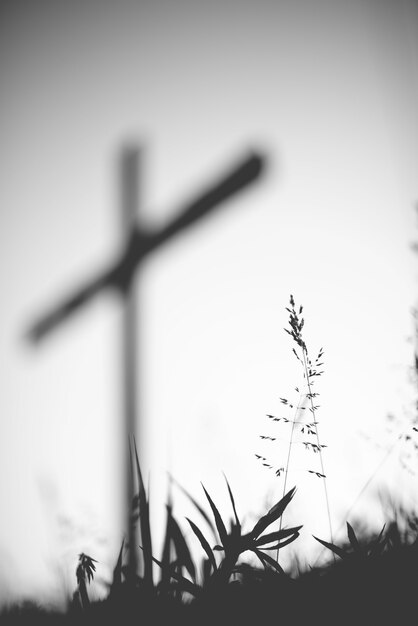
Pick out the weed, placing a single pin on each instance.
(306, 404)
(84, 574)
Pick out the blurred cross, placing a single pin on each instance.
(138, 244)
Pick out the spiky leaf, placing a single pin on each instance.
(237, 522)
(275, 512)
(184, 557)
(184, 583)
(144, 520)
(117, 571)
(267, 560)
(223, 535)
(278, 535)
(338, 551)
(352, 538)
(204, 543)
(195, 504)
(378, 545)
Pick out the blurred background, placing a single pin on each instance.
(327, 92)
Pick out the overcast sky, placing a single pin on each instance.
(327, 91)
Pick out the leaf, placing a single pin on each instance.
(277, 535)
(195, 504)
(282, 544)
(338, 551)
(266, 558)
(352, 538)
(85, 567)
(378, 545)
(144, 521)
(185, 583)
(273, 514)
(165, 566)
(182, 549)
(223, 535)
(237, 522)
(204, 543)
(117, 571)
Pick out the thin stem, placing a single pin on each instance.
(287, 464)
(317, 439)
(294, 422)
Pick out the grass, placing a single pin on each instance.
(372, 581)
(306, 403)
(370, 578)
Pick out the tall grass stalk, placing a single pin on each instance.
(312, 408)
(305, 402)
(309, 371)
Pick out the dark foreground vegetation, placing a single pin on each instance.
(369, 579)
(374, 580)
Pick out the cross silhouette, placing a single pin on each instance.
(119, 276)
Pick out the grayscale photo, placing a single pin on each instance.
(209, 312)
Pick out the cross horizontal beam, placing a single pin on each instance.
(140, 244)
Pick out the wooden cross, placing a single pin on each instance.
(119, 276)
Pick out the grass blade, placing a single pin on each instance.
(117, 572)
(352, 538)
(166, 554)
(378, 545)
(273, 514)
(144, 521)
(186, 584)
(182, 549)
(282, 544)
(266, 559)
(237, 522)
(278, 535)
(338, 551)
(195, 504)
(204, 543)
(223, 534)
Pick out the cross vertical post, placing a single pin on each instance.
(129, 192)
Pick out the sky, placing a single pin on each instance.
(328, 93)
